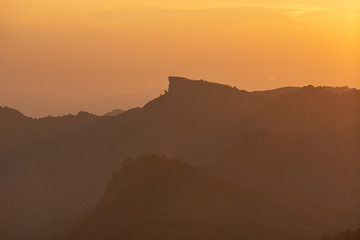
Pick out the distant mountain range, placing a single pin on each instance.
(39, 108)
(278, 164)
(114, 113)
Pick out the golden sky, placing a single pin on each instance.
(53, 52)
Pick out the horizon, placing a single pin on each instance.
(57, 53)
(100, 106)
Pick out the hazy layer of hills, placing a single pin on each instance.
(345, 235)
(39, 107)
(279, 164)
(114, 113)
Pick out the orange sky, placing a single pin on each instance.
(54, 53)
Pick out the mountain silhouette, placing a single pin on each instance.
(153, 197)
(293, 141)
(114, 113)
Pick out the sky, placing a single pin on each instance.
(56, 53)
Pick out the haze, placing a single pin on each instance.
(55, 53)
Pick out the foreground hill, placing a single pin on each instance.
(297, 141)
(153, 197)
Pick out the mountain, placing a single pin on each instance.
(321, 167)
(302, 142)
(114, 113)
(10, 117)
(276, 92)
(102, 105)
(347, 235)
(98, 105)
(279, 91)
(153, 197)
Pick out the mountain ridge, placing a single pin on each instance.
(73, 157)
